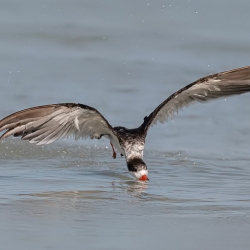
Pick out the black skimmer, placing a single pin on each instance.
(48, 123)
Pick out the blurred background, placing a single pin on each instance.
(124, 58)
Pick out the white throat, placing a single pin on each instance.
(140, 173)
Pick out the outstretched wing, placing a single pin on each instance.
(45, 124)
(232, 82)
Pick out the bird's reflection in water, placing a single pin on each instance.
(137, 189)
(133, 188)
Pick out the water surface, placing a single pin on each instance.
(124, 58)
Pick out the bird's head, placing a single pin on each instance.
(138, 168)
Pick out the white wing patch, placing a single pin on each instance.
(76, 121)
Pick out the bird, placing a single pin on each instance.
(48, 123)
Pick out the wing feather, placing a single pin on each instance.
(46, 124)
(232, 82)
